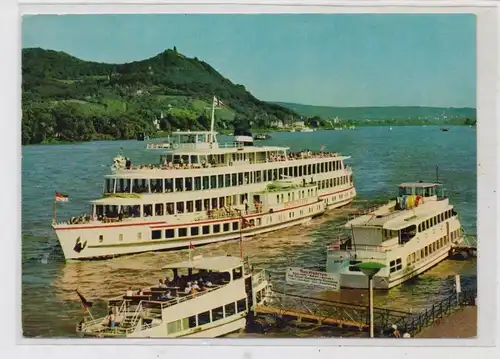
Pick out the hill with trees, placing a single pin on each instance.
(68, 99)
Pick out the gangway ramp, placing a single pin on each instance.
(292, 307)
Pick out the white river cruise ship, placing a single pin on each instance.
(203, 192)
(408, 235)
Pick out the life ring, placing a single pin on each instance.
(175, 146)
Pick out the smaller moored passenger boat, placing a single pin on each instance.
(408, 235)
(200, 298)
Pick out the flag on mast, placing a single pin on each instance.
(190, 248)
(85, 303)
(59, 197)
(245, 222)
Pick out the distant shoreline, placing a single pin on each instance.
(255, 131)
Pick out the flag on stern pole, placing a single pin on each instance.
(85, 303)
(245, 222)
(59, 197)
(190, 248)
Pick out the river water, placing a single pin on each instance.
(381, 159)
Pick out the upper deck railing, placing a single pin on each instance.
(271, 158)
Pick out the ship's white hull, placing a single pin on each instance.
(220, 330)
(360, 281)
(212, 330)
(428, 240)
(135, 237)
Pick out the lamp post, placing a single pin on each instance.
(370, 269)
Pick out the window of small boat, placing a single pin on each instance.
(237, 273)
(405, 191)
(408, 233)
(429, 191)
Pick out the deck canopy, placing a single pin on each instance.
(419, 189)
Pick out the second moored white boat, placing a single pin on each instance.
(408, 236)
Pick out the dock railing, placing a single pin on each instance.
(414, 323)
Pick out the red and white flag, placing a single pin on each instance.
(217, 102)
(335, 245)
(59, 197)
(246, 223)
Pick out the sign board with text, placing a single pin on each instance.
(307, 276)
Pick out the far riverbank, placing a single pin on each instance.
(164, 134)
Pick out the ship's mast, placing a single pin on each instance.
(212, 122)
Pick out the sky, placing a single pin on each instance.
(313, 59)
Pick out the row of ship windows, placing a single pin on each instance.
(210, 229)
(199, 205)
(429, 223)
(205, 230)
(280, 198)
(341, 197)
(216, 203)
(218, 228)
(396, 265)
(436, 220)
(333, 182)
(207, 317)
(198, 183)
(431, 248)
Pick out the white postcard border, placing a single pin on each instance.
(487, 107)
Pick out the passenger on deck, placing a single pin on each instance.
(161, 284)
(111, 319)
(130, 292)
(207, 283)
(188, 289)
(395, 333)
(195, 285)
(167, 295)
(174, 282)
